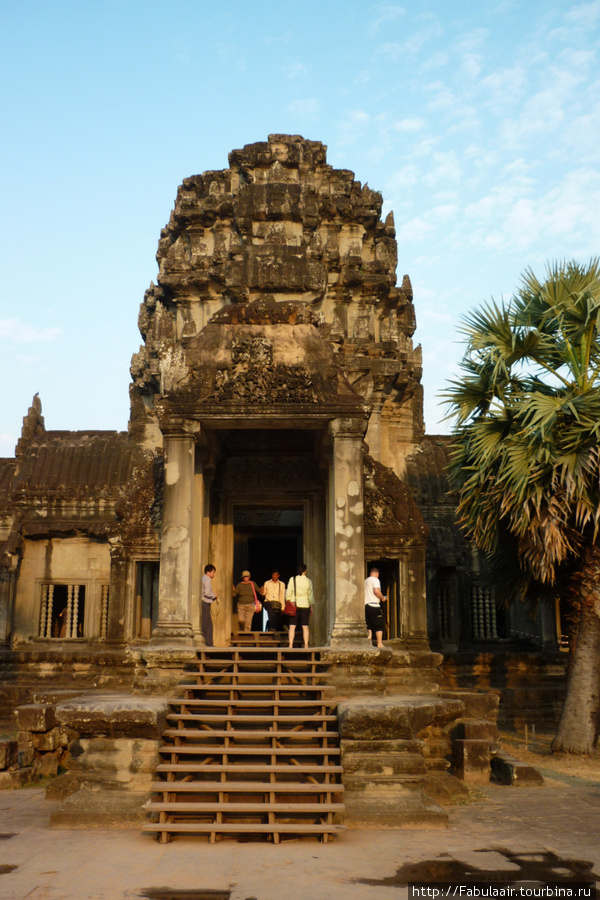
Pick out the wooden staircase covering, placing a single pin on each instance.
(252, 749)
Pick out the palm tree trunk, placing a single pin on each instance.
(578, 728)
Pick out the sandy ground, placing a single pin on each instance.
(539, 754)
(504, 833)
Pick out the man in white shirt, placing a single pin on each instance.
(208, 598)
(274, 593)
(373, 610)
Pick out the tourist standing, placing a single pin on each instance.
(373, 610)
(246, 595)
(300, 592)
(208, 598)
(274, 593)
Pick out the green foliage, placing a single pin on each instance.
(526, 449)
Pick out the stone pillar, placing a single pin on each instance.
(117, 593)
(198, 562)
(415, 619)
(349, 628)
(175, 583)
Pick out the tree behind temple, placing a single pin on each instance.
(526, 452)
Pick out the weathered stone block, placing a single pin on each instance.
(471, 760)
(393, 718)
(23, 775)
(114, 715)
(508, 770)
(8, 754)
(445, 788)
(393, 806)
(6, 781)
(122, 763)
(35, 717)
(47, 765)
(102, 809)
(62, 786)
(475, 729)
(67, 736)
(47, 741)
(25, 756)
(478, 704)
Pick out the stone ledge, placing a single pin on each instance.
(114, 715)
(508, 770)
(393, 718)
(393, 808)
(101, 809)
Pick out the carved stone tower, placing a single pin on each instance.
(279, 379)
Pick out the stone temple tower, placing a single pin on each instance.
(279, 379)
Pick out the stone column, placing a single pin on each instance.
(175, 583)
(348, 534)
(117, 592)
(415, 617)
(198, 561)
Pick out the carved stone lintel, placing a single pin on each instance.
(265, 384)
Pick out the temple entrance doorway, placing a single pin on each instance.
(267, 538)
(389, 576)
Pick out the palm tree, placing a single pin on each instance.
(526, 452)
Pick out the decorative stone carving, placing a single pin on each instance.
(388, 505)
(265, 384)
(251, 352)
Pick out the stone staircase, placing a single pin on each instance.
(252, 749)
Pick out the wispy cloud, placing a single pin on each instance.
(23, 333)
(295, 71)
(384, 15)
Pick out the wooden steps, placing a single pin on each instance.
(252, 748)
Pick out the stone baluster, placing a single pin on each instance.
(75, 619)
(349, 571)
(69, 611)
(44, 611)
(50, 607)
(103, 611)
(493, 615)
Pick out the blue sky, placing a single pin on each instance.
(478, 120)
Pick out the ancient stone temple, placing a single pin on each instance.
(276, 417)
(279, 378)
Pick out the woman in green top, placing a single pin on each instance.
(300, 592)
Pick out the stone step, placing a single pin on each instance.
(246, 787)
(249, 733)
(212, 828)
(238, 719)
(276, 652)
(264, 679)
(235, 703)
(243, 808)
(211, 750)
(257, 687)
(308, 769)
(260, 717)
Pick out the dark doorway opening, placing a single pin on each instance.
(266, 539)
(389, 576)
